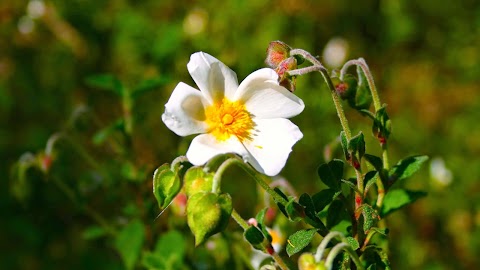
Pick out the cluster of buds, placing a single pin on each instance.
(279, 59)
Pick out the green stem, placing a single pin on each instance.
(276, 257)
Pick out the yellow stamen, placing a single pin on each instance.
(226, 118)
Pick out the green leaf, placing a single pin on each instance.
(406, 168)
(363, 96)
(311, 214)
(105, 82)
(149, 85)
(375, 161)
(356, 145)
(166, 185)
(294, 210)
(331, 174)
(353, 243)
(254, 236)
(103, 134)
(381, 124)
(344, 142)
(165, 248)
(323, 198)
(398, 198)
(299, 240)
(370, 216)
(335, 213)
(370, 179)
(260, 217)
(129, 242)
(93, 232)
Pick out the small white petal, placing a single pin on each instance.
(265, 98)
(184, 111)
(214, 78)
(271, 144)
(206, 146)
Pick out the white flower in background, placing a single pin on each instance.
(335, 52)
(247, 119)
(439, 172)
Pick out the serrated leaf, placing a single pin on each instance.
(331, 173)
(323, 198)
(129, 243)
(299, 240)
(334, 215)
(406, 167)
(105, 82)
(397, 198)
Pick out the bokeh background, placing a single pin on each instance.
(425, 57)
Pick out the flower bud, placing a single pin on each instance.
(345, 88)
(207, 214)
(277, 51)
(197, 180)
(284, 78)
(166, 185)
(306, 261)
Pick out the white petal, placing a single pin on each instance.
(184, 111)
(206, 146)
(214, 78)
(265, 98)
(271, 144)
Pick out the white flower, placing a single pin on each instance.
(247, 119)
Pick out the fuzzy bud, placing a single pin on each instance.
(284, 79)
(277, 51)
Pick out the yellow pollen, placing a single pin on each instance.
(226, 118)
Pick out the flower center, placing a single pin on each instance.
(226, 118)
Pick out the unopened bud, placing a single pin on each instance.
(277, 51)
(345, 88)
(306, 261)
(282, 70)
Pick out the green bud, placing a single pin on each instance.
(306, 261)
(166, 185)
(207, 214)
(345, 88)
(197, 180)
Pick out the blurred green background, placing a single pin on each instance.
(425, 57)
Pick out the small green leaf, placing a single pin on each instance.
(323, 198)
(129, 243)
(375, 161)
(370, 216)
(344, 142)
(311, 216)
(164, 245)
(370, 179)
(331, 173)
(356, 146)
(105, 82)
(294, 210)
(406, 167)
(260, 217)
(353, 243)
(93, 232)
(398, 198)
(102, 135)
(299, 240)
(254, 236)
(166, 185)
(363, 96)
(335, 213)
(381, 124)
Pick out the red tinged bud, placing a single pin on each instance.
(277, 51)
